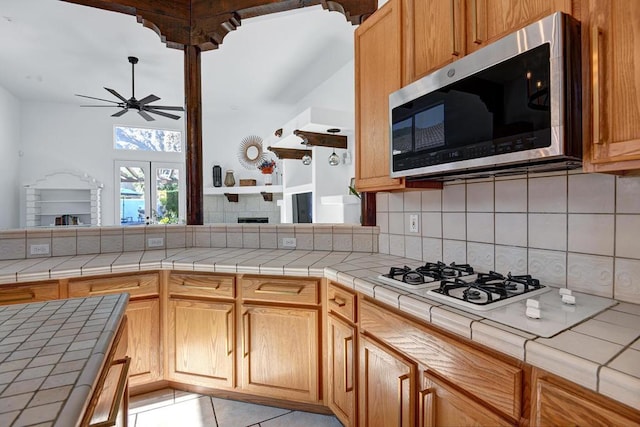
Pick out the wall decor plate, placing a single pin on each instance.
(250, 153)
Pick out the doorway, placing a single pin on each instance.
(149, 192)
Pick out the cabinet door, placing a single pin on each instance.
(556, 404)
(280, 352)
(144, 341)
(443, 405)
(387, 387)
(488, 20)
(378, 73)
(341, 393)
(435, 37)
(200, 343)
(611, 57)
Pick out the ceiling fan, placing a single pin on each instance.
(142, 105)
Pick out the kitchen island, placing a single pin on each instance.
(52, 355)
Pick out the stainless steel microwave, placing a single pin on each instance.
(510, 107)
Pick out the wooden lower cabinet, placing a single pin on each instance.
(143, 312)
(387, 387)
(441, 404)
(341, 393)
(200, 343)
(280, 348)
(144, 341)
(558, 402)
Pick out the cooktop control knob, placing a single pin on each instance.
(569, 299)
(533, 309)
(564, 291)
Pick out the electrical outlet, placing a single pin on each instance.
(413, 223)
(42, 249)
(155, 242)
(288, 242)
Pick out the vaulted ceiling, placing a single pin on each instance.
(58, 49)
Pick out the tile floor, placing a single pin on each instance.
(172, 408)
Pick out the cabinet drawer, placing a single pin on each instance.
(21, 294)
(341, 302)
(480, 374)
(278, 289)
(139, 285)
(201, 285)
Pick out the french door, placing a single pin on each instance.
(149, 192)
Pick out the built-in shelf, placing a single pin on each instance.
(254, 189)
(231, 193)
(63, 198)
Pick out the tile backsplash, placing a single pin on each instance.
(566, 228)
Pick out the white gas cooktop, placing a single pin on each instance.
(555, 316)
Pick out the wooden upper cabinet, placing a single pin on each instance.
(378, 62)
(435, 35)
(489, 20)
(379, 71)
(611, 82)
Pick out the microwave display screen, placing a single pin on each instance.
(498, 110)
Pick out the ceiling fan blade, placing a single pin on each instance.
(99, 99)
(160, 113)
(148, 99)
(116, 94)
(107, 106)
(119, 113)
(163, 107)
(146, 116)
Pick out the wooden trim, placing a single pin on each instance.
(289, 153)
(193, 118)
(368, 208)
(321, 139)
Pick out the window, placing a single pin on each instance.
(143, 139)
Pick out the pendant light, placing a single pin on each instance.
(334, 160)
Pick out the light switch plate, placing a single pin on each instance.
(413, 223)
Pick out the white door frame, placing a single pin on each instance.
(149, 168)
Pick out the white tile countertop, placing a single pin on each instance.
(601, 353)
(51, 356)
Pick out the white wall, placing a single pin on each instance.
(9, 159)
(68, 137)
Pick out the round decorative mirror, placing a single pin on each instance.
(250, 152)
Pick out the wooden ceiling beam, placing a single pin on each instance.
(322, 139)
(289, 153)
(205, 23)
